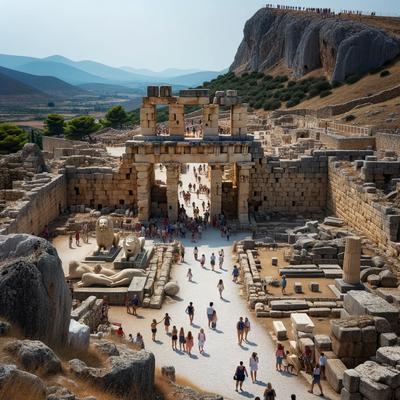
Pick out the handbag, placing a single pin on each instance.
(235, 377)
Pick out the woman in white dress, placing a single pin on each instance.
(202, 339)
(253, 364)
(220, 287)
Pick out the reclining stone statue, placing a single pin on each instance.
(76, 270)
(105, 236)
(121, 278)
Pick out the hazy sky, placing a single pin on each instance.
(153, 34)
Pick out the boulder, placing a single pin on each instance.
(78, 335)
(127, 373)
(365, 273)
(33, 291)
(33, 355)
(17, 384)
(377, 261)
(374, 280)
(388, 279)
(388, 355)
(171, 288)
(388, 339)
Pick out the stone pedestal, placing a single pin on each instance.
(351, 266)
(172, 190)
(238, 119)
(243, 184)
(216, 189)
(144, 177)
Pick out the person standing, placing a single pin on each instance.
(253, 364)
(284, 284)
(189, 343)
(322, 363)
(182, 340)
(167, 323)
(246, 328)
(182, 254)
(220, 287)
(77, 237)
(240, 330)
(190, 312)
(134, 304)
(214, 320)
(189, 274)
(316, 379)
(235, 273)
(212, 261)
(221, 259)
(210, 312)
(240, 376)
(201, 337)
(279, 354)
(153, 326)
(174, 337)
(195, 252)
(70, 239)
(202, 260)
(269, 393)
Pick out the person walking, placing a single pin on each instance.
(77, 237)
(201, 337)
(284, 284)
(214, 320)
(210, 312)
(235, 273)
(221, 259)
(316, 379)
(189, 343)
(253, 364)
(153, 325)
(70, 239)
(190, 312)
(240, 330)
(240, 376)
(221, 288)
(202, 260)
(322, 363)
(189, 275)
(246, 328)
(279, 354)
(174, 337)
(182, 254)
(182, 340)
(195, 252)
(269, 393)
(212, 261)
(134, 304)
(167, 323)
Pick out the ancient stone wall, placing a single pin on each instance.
(387, 141)
(99, 187)
(361, 210)
(37, 209)
(229, 202)
(346, 143)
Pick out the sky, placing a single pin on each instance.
(154, 34)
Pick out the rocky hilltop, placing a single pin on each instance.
(305, 42)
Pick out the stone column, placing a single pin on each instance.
(144, 177)
(351, 262)
(177, 120)
(243, 184)
(238, 119)
(215, 172)
(148, 119)
(172, 190)
(210, 121)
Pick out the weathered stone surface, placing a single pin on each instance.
(334, 373)
(78, 335)
(388, 355)
(350, 47)
(379, 373)
(171, 288)
(280, 330)
(388, 279)
(365, 273)
(346, 395)
(302, 322)
(168, 372)
(372, 390)
(351, 380)
(126, 373)
(288, 305)
(323, 342)
(34, 355)
(382, 325)
(15, 383)
(388, 339)
(33, 291)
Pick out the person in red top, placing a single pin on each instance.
(120, 332)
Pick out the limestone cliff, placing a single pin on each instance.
(305, 42)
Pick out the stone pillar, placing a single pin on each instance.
(144, 178)
(177, 120)
(351, 262)
(238, 119)
(210, 121)
(148, 119)
(243, 184)
(172, 190)
(215, 172)
(351, 266)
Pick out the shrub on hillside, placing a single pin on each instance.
(271, 105)
(353, 79)
(336, 84)
(349, 118)
(313, 92)
(320, 86)
(292, 103)
(384, 73)
(325, 93)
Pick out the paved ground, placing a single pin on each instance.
(213, 371)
